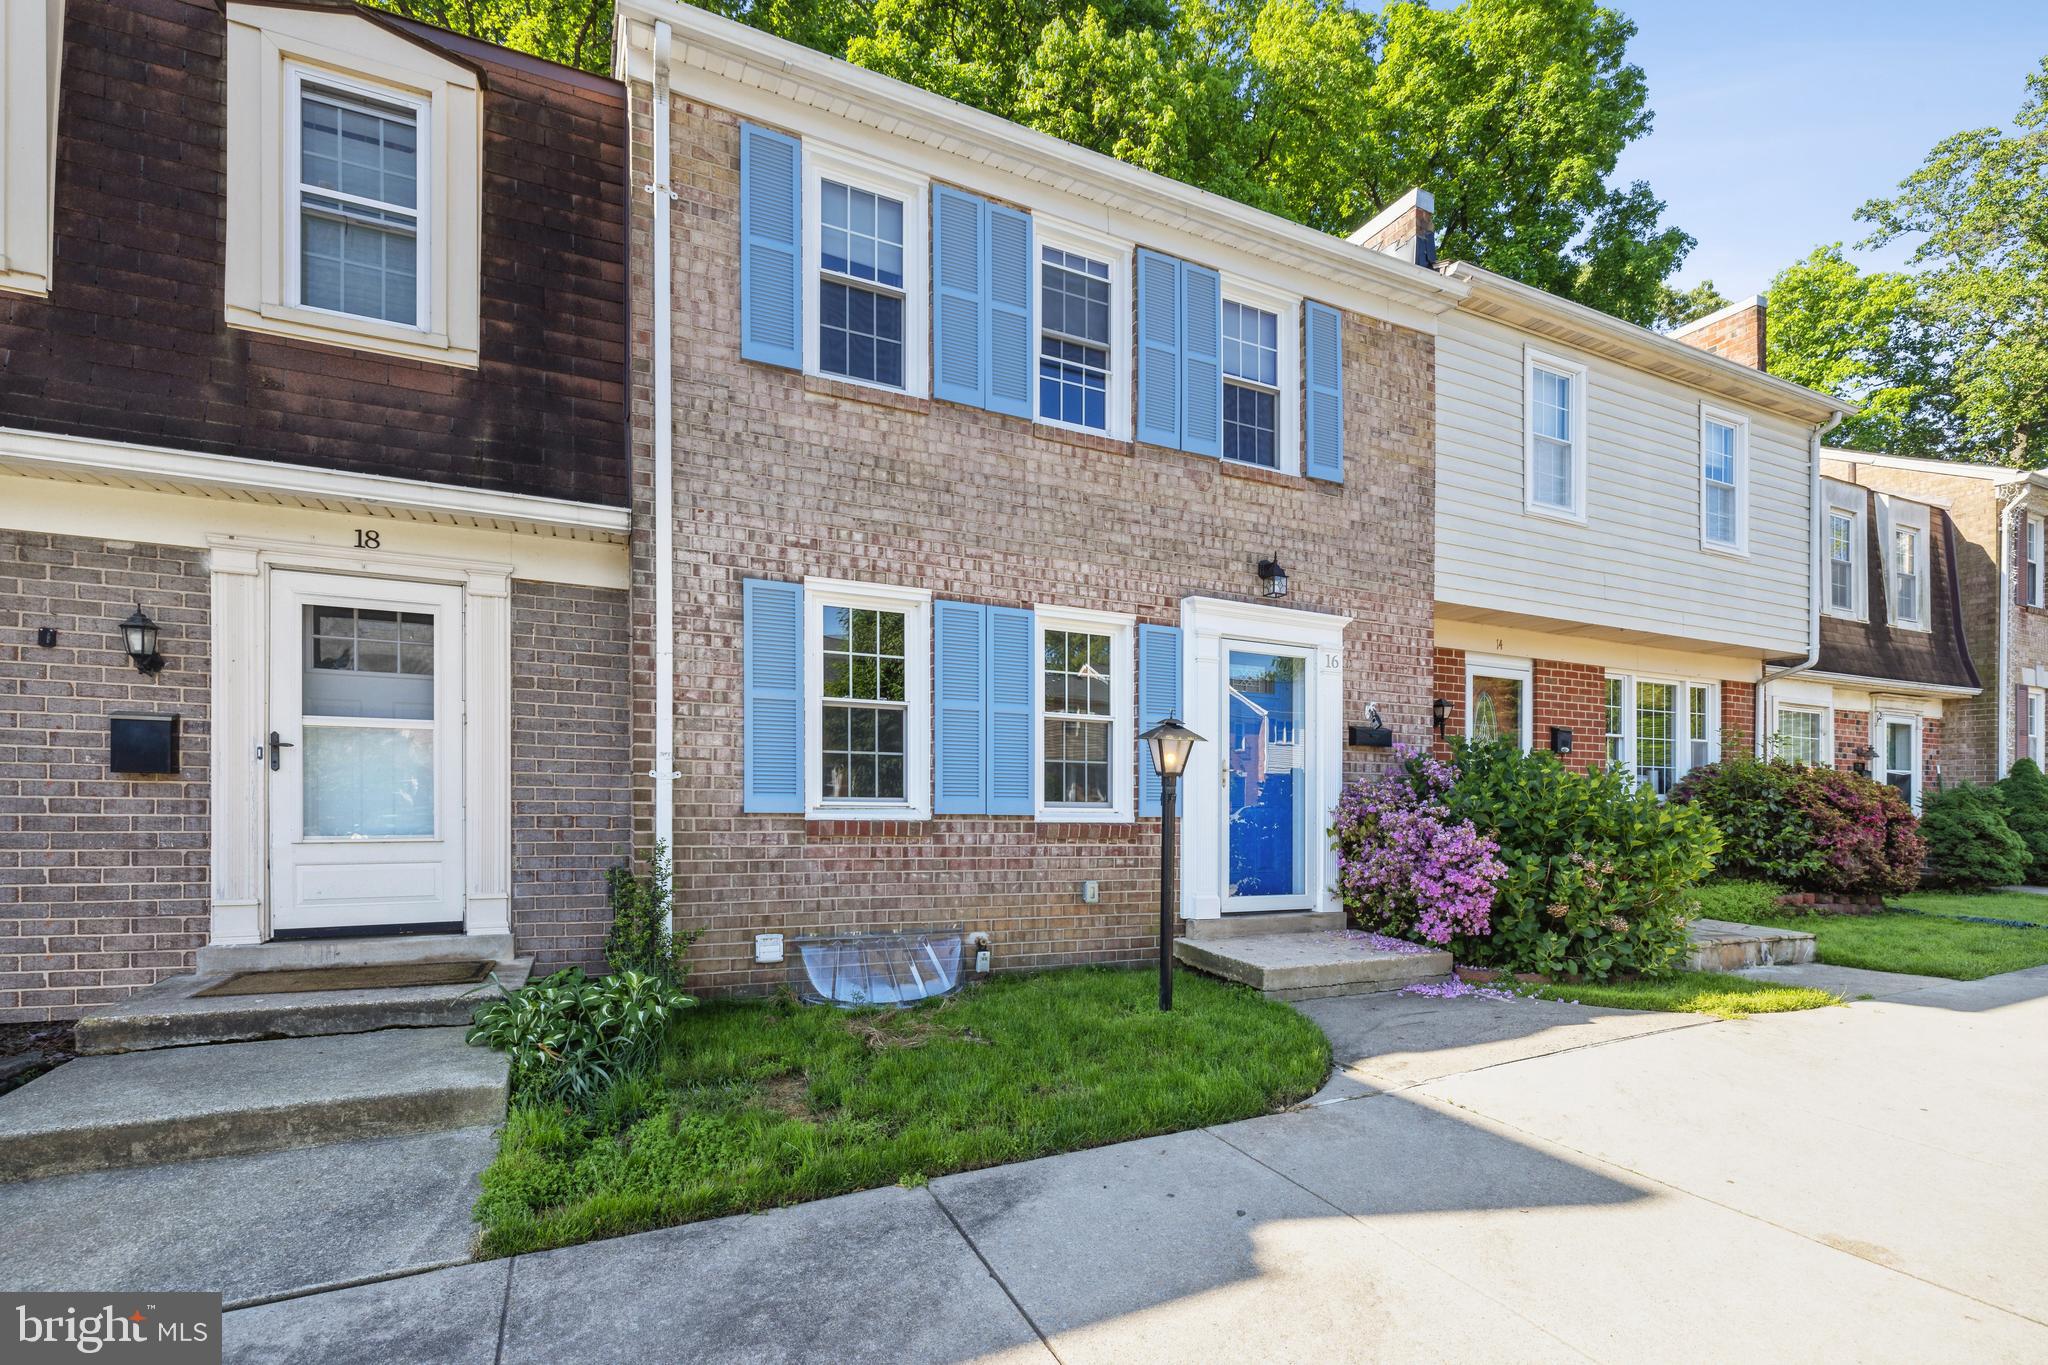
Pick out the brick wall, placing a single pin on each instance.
(1934, 774)
(103, 878)
(783, 477)
(1573, 696)
(571, 767)
(1852, 732)
(1736, 334)
(1738, 719)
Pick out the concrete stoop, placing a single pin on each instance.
(223, 1099)
(1310, 965)
(172, 1013)
(1720, 945)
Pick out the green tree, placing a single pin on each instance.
(1676, 307)
(572, 32)
(1860, 335)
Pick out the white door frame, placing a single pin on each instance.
(1522, 671)
(240, 568)
(1881, 722)
(1206, 624)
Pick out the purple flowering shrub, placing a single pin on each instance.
(1405, 866)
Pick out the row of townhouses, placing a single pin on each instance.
(429, 475)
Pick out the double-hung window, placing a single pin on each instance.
(1074, 333)
(2034, 564)
(1909, 575)
(1723, 474)
(360, 229)
(1251, 385)
(1617, 722)
(1842, 562)
(1085, 689)
(868, 668)
(862, 303)
(1555, 455)
(1800, 736)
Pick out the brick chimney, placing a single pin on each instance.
(1736, 333)
(1405, 228)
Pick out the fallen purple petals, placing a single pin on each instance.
(1382, 943)
(1456, 988)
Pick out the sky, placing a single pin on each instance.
(1776, 121)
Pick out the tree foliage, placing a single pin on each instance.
(1951, 356)
(572, 32)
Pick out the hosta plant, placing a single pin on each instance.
(571, 1037)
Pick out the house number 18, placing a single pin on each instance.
(367, 540)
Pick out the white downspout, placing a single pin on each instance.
(663, 510)
(2007, 525)
(1817, 525)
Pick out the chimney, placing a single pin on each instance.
(1735, 333)
(1405, 228)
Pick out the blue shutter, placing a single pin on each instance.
(960, 688)
(771, 247)
(1323, 347)
(1158, 348)
(1158, 698)
(1201, 353)
(1011, 735)
(772, 695)
(959, 291)
(1010, 297)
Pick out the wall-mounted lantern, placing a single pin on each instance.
(139, 634)
(1274, 577)
(1439, 712)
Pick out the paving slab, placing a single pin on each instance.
(1864, 1129)
(1180, 1248)
(445, 1317)
(1719, 945)
(1311, 965)
(1538, 1225)
(877, 1276)
(225, 1099)
(250, 1227)
(1851, 983)
(1387, 1041)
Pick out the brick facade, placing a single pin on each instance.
(572, 806)
(1852, 734)
(783, 477)
(1735, 333)
(1738, 719)
(103, 878)
(1573, 696)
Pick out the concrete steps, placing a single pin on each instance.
(224, 1099)
(1312, 964)
(1720, 945)
(172, 1013)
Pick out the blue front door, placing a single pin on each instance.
(1266, 814)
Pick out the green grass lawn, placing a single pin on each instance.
(1716, 993)
(758, 1104)
(1933, 942)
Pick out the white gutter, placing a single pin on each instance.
(2003, 698)
(663, 510)
(1813, 581)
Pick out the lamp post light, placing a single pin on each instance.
(1171, 743)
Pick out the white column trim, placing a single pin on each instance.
(240, 910)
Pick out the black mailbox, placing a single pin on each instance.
(1560, 740)
(142, 744)
(1372, 737)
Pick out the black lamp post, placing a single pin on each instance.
(139, 635)
(1171, 743)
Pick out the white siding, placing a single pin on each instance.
(1636, 564)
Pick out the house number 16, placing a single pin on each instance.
(367, 540)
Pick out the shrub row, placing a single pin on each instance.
(1814, 829)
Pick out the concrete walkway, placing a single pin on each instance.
(1481, 1179)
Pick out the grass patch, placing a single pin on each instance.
(1938, 941)
(752, 1105)
(1715, 993)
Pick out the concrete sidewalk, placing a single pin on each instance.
(1480, 1178)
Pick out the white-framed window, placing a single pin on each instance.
(1261, 377)
(1800, 734)
(2037, 726)
(867, 671)
(1909, 575)
(1554, 403)
(1724, 481)
(1499, 694)
(1845, 562)
(1083, 331)
(1082, 694)
(2033, 570)
(1660, 729)
(354, 186)
(31, 69)
(359, 241)
(866, 263)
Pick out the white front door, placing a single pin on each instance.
(1898, 755)
(365, 763)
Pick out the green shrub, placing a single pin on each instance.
(1755, 805)
(1969, 844)
(1598, 869)
(641, 939)
(571, 1038)
(1740, 901)
(2024, 791)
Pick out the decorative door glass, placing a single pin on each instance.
(1267, 809)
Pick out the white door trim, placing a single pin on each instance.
(1882, 721)
(240, 567)
(1206, 623)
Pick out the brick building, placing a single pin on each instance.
(313, 352)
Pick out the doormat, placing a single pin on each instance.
(379, 977)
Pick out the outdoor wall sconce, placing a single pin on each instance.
(1274, 577)
(140, 633)
(1439, 712)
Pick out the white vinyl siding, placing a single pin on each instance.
(1633, 563)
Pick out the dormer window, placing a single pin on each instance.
(1909, 575)
(359, 204)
